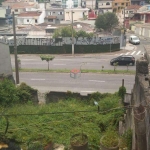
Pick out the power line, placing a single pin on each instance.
(53, 113)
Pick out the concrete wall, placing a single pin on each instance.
(5, 61)
(137, 103)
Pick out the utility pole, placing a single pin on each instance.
(72, 35)
(15, 50)
(124, 20)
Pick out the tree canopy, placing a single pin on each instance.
(67, 32)
(47, 58)
(106, 21)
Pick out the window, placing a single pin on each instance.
(50, 20)
(107, 3)
(49, 13)
(35, 20)
(115, 4)
(27, 20)
(60, 13)
(122, 3)
(16, 10)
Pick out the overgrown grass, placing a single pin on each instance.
(83, 71)
(59, 127)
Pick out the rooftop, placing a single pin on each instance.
(21, 5)
(30, 14)
(133, 7)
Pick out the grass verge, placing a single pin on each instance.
(83, 71)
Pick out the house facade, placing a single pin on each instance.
(118, 5)
(22, 7)
(5, 16)
(142, 15)
(76, 13)
(31, 17)
(105, 6)
(142, 29)
(91, 4)
(54, 15)
(130, 10)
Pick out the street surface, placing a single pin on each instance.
(87, 61)
(86, 83)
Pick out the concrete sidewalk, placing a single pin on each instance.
(128, 47)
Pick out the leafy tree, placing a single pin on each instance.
(67, 32)
(47, 58)
(106, 21)
(64, 32)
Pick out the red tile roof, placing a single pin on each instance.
(29, 14)
(133, 7)
(22, 5)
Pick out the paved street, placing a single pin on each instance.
(86, 83)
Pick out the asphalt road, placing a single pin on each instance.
(86, 83)
(89, 61)
(94, 62)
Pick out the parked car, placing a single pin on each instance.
(123, 60)
(134, 39)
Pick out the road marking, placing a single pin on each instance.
(28, 59)
(121, 54)
(38, 79)
(127, 53)
(138, 52)
(96, 81)
(133, 52)
(59, 64)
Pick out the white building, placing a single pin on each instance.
(31, 17)
(77, 13)
(105, 6)
(91, 4)
(22, 7)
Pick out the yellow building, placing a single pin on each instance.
(118, 5)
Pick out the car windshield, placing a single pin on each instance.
(135, 38)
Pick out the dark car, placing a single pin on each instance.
(123, 60)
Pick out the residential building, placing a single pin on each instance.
(13, 2)
(130, 10)
(73, 3)
(142, 29)
(91, 4)
(22, 7)
(54, 14)
(142, 15)
(104, 6)
(5, 16)
(30, 17)
(137, 2)
(118, 5)
(76, 13)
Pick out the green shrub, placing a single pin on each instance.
(127, 137)
(121, 92)
(24, 93)
(110, 138)
(8, 93)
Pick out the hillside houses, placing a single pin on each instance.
(61, 12)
